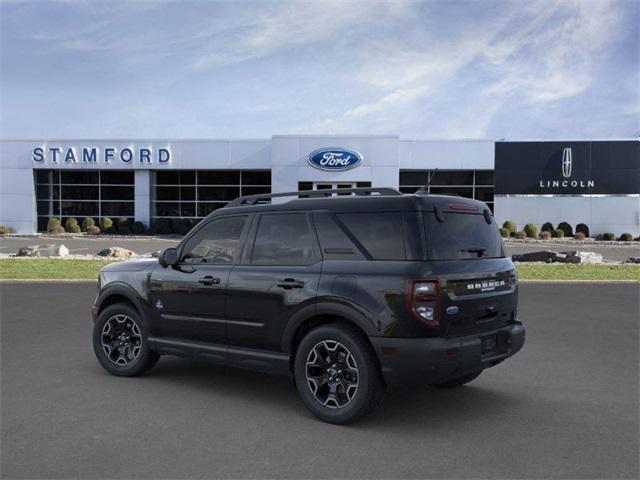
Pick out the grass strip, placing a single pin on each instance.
(46, 269)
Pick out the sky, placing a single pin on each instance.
(420, 70)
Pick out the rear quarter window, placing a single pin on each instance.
(461, 236)
(381, 234)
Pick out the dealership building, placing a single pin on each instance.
(596, 182)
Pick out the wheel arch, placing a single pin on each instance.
(119, 293)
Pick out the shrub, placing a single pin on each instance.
(545, 235)
(510, 225)
(557, 233)
(57, 230)
(579, 236)
(583, 228)
(608, 236)
(161, 226)
(52, 224)
(547, 227)
(106, 225)
(521, 235)
(531, 230)
(504, 233)
(138, 228)
(566, 228)
(124, 226)
(626, 237)
(93, 230)
(88, 222)
(5, 230)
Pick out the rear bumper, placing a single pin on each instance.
(420, 361)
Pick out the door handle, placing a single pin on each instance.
(209, 280)
(288, 283)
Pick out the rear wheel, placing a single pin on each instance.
(337, 374)
(120, 341)
(457, 382)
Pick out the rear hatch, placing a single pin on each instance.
(477, 283)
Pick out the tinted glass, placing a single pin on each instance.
(216, 242)
(80, 193)
(205, 209)
(256, 177)
(117, 209)
(218, 193)
(460, 191)
(43, 176)
(255, 190)
(379, 233)
(117, 177)
(219, 177)
(116, 193)
(484, 177)
(458, 177)
(461, 236)
(168, 178)
(414, 178)
(78, 209)
(334, 242)
(78, 177)
(168, 193)
(283, 240)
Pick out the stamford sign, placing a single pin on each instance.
(95, 155)
(334, 159)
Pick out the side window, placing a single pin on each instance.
(379, 233)
(283, 239)
(216, 242)
(335, 244)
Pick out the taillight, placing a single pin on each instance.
(423, 301)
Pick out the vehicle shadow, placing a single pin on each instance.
(415, 408)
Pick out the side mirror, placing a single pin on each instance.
(168, 257)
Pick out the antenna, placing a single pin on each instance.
(425, 189)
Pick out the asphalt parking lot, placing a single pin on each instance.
(144, 245)
(565, 407)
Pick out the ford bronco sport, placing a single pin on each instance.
(348, 294)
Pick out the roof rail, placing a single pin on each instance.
(248, 200)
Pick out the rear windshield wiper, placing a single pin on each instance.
(479, 250)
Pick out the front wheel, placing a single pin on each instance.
(337, 374)
(120, 341)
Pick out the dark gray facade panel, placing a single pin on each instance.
(572, 168)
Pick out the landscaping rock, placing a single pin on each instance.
(583, 257)
(546, 256)
(116, 252)
(52, 250)
(632, 260)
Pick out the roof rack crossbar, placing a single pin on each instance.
(248, 200)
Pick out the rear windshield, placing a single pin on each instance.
(461, 236)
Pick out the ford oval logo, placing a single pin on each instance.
(334, 159)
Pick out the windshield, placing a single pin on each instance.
(461, 236)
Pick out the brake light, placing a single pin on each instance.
(423, 301)
(461, 207)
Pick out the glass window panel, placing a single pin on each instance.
(56, 208)
(305, 186)
(188, 193)
(452, 177)
(79, 209)
(484, 177)
(43, 208)
(414, 178)
(188, 209)
(43, 191)
(379, 233)
(117, 209)
(42, 223)
(283, 240)
(484, 194)
(167, 209)
(79, 177)
(56, 192)
(187, 177)
(219, 177)
(116, 193)
(216, 242)
(205, 209)
(363, 184)
(168, 178)
(463, 191)
(256, 177)
(255, 190)
(80, 192)
(42, 176)
(168, 193)
(218, 193)
(409, 189)
(119, 177)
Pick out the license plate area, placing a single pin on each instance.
(495, 344)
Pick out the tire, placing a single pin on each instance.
(119, 355)
(457, 382)
(345, 388)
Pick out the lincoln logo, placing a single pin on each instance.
(334, 159)
(567, 160)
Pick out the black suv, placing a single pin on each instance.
(346, 290)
